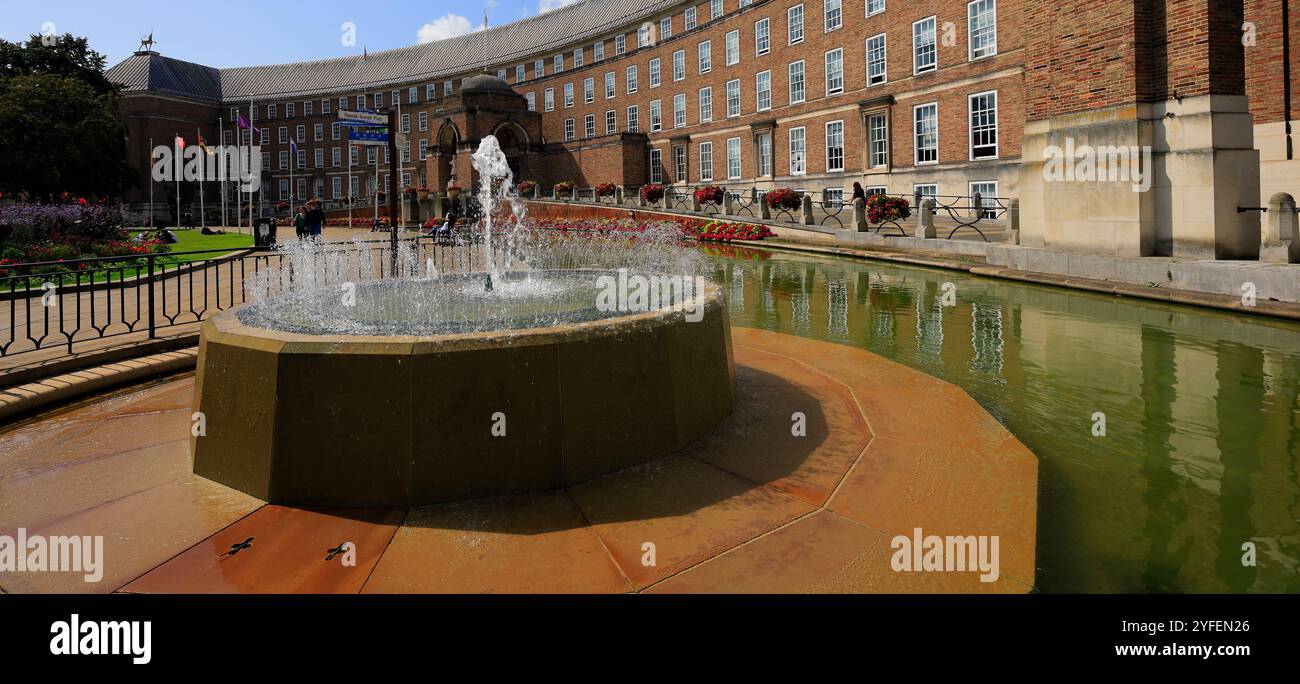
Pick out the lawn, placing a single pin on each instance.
(192, 240)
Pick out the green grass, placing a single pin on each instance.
(191, 240)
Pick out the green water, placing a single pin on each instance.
(1202, 447)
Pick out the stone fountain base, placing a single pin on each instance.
(411, 421)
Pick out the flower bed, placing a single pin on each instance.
(732, 231)
(691, 229)
(120, 250)
(77, 229)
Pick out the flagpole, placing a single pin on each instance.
(151, 163)
(221, 163)
(351, 199)
(251, 162)
(203, 176)
(177, 172)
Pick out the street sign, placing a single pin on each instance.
(368, 136)
(362, 118)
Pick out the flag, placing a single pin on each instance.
(203, 145)
(243, 123)
(180, 142)
(293, 148)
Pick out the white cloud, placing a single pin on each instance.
(548, 5)
(445, 26)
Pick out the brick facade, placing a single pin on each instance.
(1051, 58)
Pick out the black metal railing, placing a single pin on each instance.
(831, 202)
(744, 202)
(45, 305)
(968, 211)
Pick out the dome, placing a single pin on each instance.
(485, 83)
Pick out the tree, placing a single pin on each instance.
(60, 128)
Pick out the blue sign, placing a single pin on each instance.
(368, 136)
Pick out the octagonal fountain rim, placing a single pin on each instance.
(710, 297)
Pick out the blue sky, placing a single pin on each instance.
(221, 34)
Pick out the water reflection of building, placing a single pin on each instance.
(1202, 452)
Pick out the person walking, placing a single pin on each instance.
(300, 222)
(315, 219)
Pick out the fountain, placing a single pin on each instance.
(524, 363)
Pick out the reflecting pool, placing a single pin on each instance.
(1202, 409)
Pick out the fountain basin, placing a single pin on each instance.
(413, 420)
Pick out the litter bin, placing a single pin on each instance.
(264, 232)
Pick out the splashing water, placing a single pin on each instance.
(494, 170)
(519, 277)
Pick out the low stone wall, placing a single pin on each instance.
(1265, 281)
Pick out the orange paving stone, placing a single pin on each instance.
(748, 508)
(689, 510)
(763, 443)
(279, 550)
(534, 543)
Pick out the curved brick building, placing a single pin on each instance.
(945, 97)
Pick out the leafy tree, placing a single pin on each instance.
(60, 127)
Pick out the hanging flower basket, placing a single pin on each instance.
(784, 199)
(605, 190)
(709, 194)
(882, 208)
(652, 193)
(564, 188)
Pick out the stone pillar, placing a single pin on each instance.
(728, 203)
(860, 215)
(764, 211)
(618, 194)
(640, 199)
(1144, 148)
(695, 202)
(807, 210)
(1012, 236)
(1279, 229)
(925, 220)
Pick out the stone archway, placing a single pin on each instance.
(513, 140)
(444, 156)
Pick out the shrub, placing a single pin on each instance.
(784, 198)
(709, 194)
(61, 223)
(652, 192)
(882, 208)
(605, 190)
